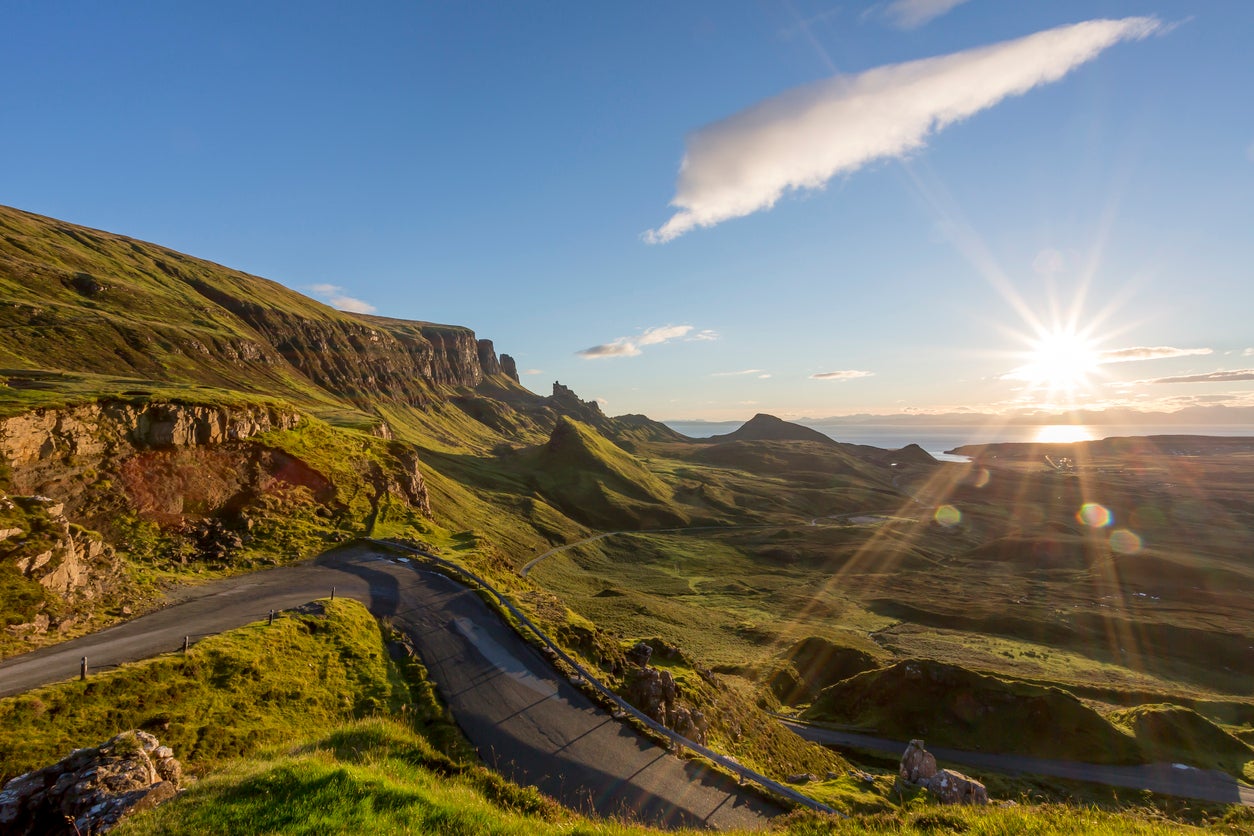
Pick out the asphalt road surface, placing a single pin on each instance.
(1170, 779)
(526, 722)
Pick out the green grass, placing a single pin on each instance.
(374, 776)
(229, 695)
(380, 776)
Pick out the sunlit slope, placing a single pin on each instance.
(83, 300)
(591, 478)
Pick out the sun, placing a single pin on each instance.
(1059, 362)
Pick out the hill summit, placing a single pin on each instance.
(763, 427)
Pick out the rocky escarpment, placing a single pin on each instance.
(84, 300)
(47, 448)
(174, 487)
(364, 357)
(91, 790)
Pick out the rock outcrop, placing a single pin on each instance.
(70, 565)
(656, 694)
(488, 362)
(565, 402)
(509, 368)
(92, 790)
(918, 768)
(46, 446)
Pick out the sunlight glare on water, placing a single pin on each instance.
(1063, 433)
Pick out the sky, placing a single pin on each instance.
(697, 210)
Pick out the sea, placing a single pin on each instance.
(937, 439)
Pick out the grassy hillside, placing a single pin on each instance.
(775, 557)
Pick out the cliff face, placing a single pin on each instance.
(83, 300)
(363, 357)
(48, 449)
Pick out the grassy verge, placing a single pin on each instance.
(228, 696)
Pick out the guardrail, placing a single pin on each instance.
(743, 772)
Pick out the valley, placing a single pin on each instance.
(167, 423)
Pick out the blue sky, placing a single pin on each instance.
(1055, 208)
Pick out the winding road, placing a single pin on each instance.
(1170, 779)
(526, 721)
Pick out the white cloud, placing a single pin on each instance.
(1211, 377)
(653, 336)
(735, 374)
(703, 336)
(533, 371)
(630, 346)
(803, 137)
(1249, 352)
(847, 374)
(1158, 352)
(337, 297)
(348, 303)
(764, 376)
(911, 14)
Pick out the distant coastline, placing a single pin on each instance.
(937, 438)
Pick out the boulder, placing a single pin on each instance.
(92, 789)
(640, 654)
(917, 764)
(952, 787)
(918, 767)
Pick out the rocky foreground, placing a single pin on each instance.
(92, 790)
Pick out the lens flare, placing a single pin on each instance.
(1094, 515)
(948, 516)
(1123, 541)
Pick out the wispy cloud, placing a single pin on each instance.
(630, 346)
(1158, 352)
(911, 14)
(802, 138)
(847, 374)
(703, 336)
(337, 297)
(737, 374)
(1211, 377)
(1249, 352)
(533, 371)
